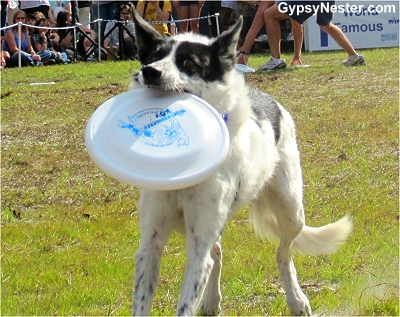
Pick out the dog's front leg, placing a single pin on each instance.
(157, 219)
(204, 225)
(212, 294)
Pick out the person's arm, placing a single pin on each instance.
(163, 15)
(41, 46)
(69, 8)
(176, 4)
(29, 49)
(9, 37)
(107, 41)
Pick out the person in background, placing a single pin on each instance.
(30, 20)
(84, 12)
(186, 10)
(106, 10)
(151, 11)
(258, 23)
(227, 7)
(4, 56)
(246, 10)
(3, 15)
(56, 6)
(112, 39)
(66, 39)
(38, 15)
(40, 40)
(208, 27)
(31, 6)
(55, 39)
(273, 15)
(13, 6)
(12, 41)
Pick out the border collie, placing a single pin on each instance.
(262, 170)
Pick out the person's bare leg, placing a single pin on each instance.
(297, 30)
(194, 13)
(272, 16)
(339, 37)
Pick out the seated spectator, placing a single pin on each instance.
(85, 43)
(105, 10)
(4, 56)
(12, 41)
(40, 40)
(55, 38)
(30, 20)
(57, 6)
(155, 11)
(38, 15)
(112, 39)
(66, 36)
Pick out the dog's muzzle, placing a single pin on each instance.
(151, 75)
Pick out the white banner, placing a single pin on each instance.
(367, 24)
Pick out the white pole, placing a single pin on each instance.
(74, 37)
(19, 44)
(217, 22)
(99, 37)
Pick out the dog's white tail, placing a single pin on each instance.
(326, 239)
(313, 241)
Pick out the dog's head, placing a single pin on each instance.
(186, 62)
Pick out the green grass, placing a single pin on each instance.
(71, 252)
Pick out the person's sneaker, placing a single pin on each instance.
(49, 62)
(290, 37)
(354, 60)
(262, 38)
(273, 63)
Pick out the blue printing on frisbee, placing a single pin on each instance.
(161, 128)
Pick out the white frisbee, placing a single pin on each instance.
(244, 68)
(156, 139)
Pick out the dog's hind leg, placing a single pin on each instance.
(278, 212)
(284, 197)
(157, 220)
(212, 294)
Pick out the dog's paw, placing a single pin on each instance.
(300, 306)
(210, 310)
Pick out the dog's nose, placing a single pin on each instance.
(151, 74)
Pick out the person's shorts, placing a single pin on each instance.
(300, 11)
(188, 3)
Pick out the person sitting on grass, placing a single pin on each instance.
(12, 42)
(112, 39)
(64, 19)
(41, 42)
(273, 15)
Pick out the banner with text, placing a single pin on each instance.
(367, 24)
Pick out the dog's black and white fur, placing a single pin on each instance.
(262, 169)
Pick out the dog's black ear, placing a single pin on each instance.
(146, 36)
(225, 44)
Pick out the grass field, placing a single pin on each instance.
(69, 232)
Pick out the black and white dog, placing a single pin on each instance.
(262, 169)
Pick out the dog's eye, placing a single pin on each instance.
(188, 63)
